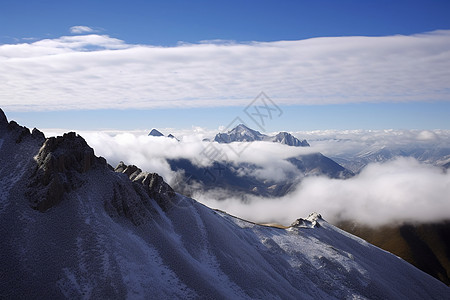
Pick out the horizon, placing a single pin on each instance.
(325, 65)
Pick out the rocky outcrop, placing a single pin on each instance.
(3, 119)
(153, 184)
(59, 163)
(310, 222)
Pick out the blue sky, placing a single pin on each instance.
(144, 64)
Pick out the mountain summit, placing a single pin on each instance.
(155, 132)
(242, 133)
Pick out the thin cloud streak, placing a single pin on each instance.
(97, 72)
(81, 29)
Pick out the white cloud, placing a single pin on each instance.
(395, 191)
(97, 72)
(349, 143)
(402, 189)
(81, 29)
(150, 153)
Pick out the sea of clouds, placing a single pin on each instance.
(397, 190)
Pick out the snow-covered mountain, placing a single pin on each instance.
(156, 132)
(288, 139)
(71, 226)
(242, 133)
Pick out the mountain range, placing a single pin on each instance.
(155, 132)
(71, 226)
(241, 178)
(242, 133)
(435, 155)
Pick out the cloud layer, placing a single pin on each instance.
(97, 72)
(398, 190)
(395, 191)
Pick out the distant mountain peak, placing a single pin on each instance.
(172, 137)
(155, 132)
(241, 127)
(288, 139)
(242, 133)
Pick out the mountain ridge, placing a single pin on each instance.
(110, 237)
(242, 133)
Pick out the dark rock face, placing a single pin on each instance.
(173, 137)
(3, 119)
(59, 163)
(19, 132)
(310, 222)
(153, 184)
(155, 132)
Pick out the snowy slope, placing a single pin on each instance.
(125, 234)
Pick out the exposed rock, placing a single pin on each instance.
(155, 132)
(20, 131)
(37, 134)
(153, 184)
(120, 167)
(125, 203)
(59, 163)
(3, 119)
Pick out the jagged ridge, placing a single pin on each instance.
(58, 165)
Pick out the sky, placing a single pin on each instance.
(96, 65)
